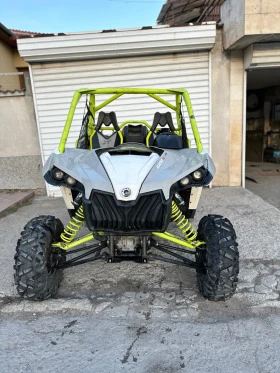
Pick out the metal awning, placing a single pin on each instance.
(124, 43)
(262, 56)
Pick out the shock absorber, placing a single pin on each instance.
(183, 223)
(75, 224)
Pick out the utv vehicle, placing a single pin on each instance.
(127, 182)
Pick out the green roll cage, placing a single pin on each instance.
(189, 241)
(181, 95)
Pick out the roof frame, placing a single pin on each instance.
(180, 94)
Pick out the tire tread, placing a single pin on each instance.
(218, 276)
(32, 277)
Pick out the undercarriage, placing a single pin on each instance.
(115, 246)
(137, 248)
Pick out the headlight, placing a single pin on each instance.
(70, 180)
(185, 181)
(198, 175)
(57, 174)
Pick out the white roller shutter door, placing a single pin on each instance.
(262, 56)
(55, 83)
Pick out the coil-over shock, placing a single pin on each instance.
(182, 223)
(73, 227)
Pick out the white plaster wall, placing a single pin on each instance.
(19, 136)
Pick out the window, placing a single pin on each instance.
(276, 111)
(12, 84)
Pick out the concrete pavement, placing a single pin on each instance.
(257, 227)
(129, 317)
(80, 344)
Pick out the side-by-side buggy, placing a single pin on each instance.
(126, 182)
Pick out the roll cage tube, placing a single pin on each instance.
(118, 92)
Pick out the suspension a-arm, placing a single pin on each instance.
(175, 255)
(94, 251)
(169, 250)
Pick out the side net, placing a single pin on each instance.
(83, 140)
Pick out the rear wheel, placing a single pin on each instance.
(37, 276)
(218, 260)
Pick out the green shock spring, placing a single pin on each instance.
(183, 223)
(75, 224)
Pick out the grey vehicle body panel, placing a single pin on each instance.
(86, 167)
(128, 171)
(175, 165)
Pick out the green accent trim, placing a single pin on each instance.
(178, 240)
(187, 100)
(148, 138)
(65, 133)
(90, 139)
(162, 101)
(135, 121)
(107, 102)
(117, 92)
(107, 129)
(121, 137)
(79, 241)
(178, 113)
(166, 236)
(146, 91)
(91, 123)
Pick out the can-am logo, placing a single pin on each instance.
(126, 192)
(160, 162)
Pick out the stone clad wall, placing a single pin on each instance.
(248, 21)
(227, 71)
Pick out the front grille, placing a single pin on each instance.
(148, 213)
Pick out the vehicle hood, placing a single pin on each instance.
(139, 173)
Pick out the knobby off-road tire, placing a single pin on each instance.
(36, 273)
(50, 221)
(218, 260)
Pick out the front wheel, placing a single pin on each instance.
(37, 276)
(218, 260)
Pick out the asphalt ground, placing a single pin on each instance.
(130, 317)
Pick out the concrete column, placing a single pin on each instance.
(236, 117)
(227, 69)
(220, 93)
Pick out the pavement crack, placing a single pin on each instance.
(161, 280)
(141, 330)
(71, 323)
(182, 358)
(152, 300)
(259, 369)
(44, 332)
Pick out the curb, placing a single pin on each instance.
(9, 202)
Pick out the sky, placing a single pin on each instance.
(53, 16)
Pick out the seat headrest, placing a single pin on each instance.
(107, 119)
(163, 119)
